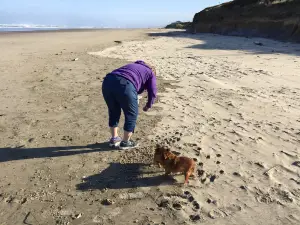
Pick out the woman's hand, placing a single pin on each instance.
(145, 109)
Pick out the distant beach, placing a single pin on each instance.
(22, 29)
(17, 30)
(30, 28)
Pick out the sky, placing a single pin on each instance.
(101, 13)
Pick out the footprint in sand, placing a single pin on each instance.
(282, 175)
(223, 211)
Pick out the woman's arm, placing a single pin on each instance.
(152, 91)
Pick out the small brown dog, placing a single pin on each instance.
(163, 157)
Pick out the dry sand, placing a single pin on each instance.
(233, 105)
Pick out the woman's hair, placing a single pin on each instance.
(152, 68)
(148, 65)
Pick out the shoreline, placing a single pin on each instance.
(72, 30)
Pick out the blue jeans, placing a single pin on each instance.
(119, 93)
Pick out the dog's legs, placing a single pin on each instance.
(167, 172)
(192, 172)
(187, 175)
(157, 163)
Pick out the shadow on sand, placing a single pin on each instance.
(20, 153)
(124, 176)
(218, 42)
(116, 176)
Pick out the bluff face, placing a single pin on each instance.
(278, 19)
(179, 25)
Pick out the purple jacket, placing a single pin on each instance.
(142, 78)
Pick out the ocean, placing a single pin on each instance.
(23, 29)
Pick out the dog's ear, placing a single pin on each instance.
(157, 148)
(166, 155)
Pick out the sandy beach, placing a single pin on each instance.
(231, 104)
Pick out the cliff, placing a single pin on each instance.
(278, 19)
(179, 25)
